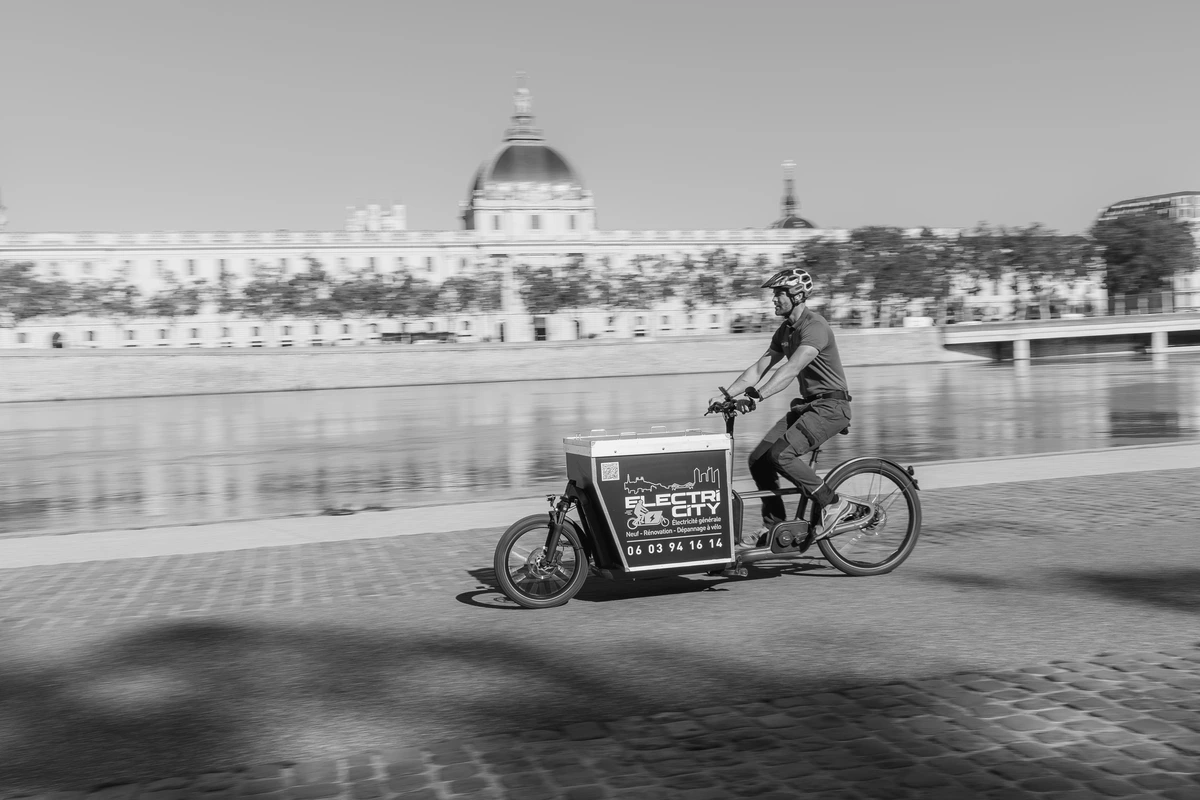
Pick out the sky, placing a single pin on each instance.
(278, 114)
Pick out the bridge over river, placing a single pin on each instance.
(1021, 340)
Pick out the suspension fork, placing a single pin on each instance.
(561, 504)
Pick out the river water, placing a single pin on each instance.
(104, 464)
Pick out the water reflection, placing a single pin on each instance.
(90, 465)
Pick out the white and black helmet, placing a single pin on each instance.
(793, 280)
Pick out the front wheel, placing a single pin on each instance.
(882, 544)
(526, 575)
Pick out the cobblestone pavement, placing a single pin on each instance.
(100, 592)
(1114, 725)
(1118, 725)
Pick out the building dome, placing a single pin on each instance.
(526, 162)
(525, 158)
(529, 178)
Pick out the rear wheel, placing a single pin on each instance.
(527, 576)
(882, 544)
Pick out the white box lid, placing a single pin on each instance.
(602, 443)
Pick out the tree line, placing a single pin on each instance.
(1134, 254)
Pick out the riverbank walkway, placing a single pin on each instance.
(303, 658)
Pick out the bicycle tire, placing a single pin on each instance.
(517, 574)
(849, 552)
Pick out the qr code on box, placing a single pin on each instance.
(610, 471)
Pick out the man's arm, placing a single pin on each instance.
(754, 372)
(787, 373)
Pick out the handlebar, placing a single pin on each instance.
(731, 407)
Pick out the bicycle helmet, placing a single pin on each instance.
(793, 280)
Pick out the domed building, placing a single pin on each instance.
(526, 204)
(526, 185)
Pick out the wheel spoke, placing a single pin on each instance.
(877, 546)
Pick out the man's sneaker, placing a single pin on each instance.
(834, 514)
(755, 538)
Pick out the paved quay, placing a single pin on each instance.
(1042, 642)
(1116, 725)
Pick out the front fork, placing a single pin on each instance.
(561, 504)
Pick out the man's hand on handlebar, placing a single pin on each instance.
(727, 404)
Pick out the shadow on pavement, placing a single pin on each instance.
(1177, 589)
(968, 580)
(186, 698)
(602, 590)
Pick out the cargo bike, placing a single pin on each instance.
(650, 505)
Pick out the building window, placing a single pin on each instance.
(571, 221)
(466, 324)
(224, 333)
(462, 263)
(666, 320)
(712, 317)
(22, 338)
(91, 336)
(283, 265)
(54, 270)
(162, 333)
(191, 266)
(130, 335)
(254, 332)
(429, 263)
(127, 268)
(371, 263)
(158, 265)
(535, 222)
(343, 265)
(195, 333)
(287, 330)
(221, 264)
(345, 328)
(373, 328)
(316, 329)
(495, 222)
(87, 268)
(400, 262)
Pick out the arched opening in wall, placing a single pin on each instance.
(255, 337)
(22, 338)
(578, 329)
(91, 336)
(130, 338)
(164, 337)
(499, 332)
(539, 329)
(639, 326)
(56, 340)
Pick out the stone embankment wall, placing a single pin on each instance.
(82, 374)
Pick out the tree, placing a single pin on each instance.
(478, 292)
(1041, 259)
(1141, 252)
(545, 290)
(308, 293)
(24, 295)
(265, 295)
(176, 299)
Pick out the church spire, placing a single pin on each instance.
(522, 129)
(789, 189)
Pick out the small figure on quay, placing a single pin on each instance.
(804, 342)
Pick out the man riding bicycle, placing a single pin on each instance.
(806, 341)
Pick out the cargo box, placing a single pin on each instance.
(659, 500)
